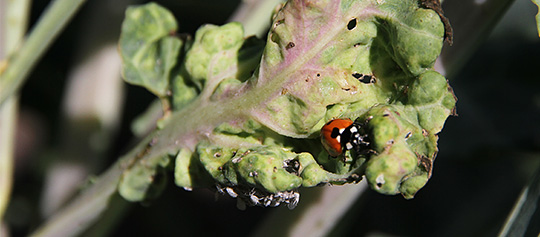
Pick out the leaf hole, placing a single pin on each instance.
(364, 78)
(408, 135)
(379, 181)
(352, 24)
(292, 166)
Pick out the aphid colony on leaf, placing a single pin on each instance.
(340, 135)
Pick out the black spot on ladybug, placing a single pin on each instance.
(335, 133)
(318, 74)
(290, 45)
(352, 24)
(357, 75)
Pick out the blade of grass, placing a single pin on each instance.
(523, 220)
(88, 206)
(47, 29)
(16, 13)
(8, 112)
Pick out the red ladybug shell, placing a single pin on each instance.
(331, 135)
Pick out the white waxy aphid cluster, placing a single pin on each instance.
(254, 197)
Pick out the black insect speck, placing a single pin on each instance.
(290, 45)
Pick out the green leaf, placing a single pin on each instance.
(403, 151)
(218, 57)
(148, 49)
(144, 180)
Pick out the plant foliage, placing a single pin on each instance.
(246, 114)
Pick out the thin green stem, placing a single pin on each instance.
(8, 113)
(83, 211)
(48, 28)
(16, 13)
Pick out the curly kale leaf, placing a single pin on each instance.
(148, 49)
(246, 114)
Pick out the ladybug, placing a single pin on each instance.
(339, 135)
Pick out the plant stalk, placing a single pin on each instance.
(55, 18)
(8, 114)
(87, 207)
(16, 14)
